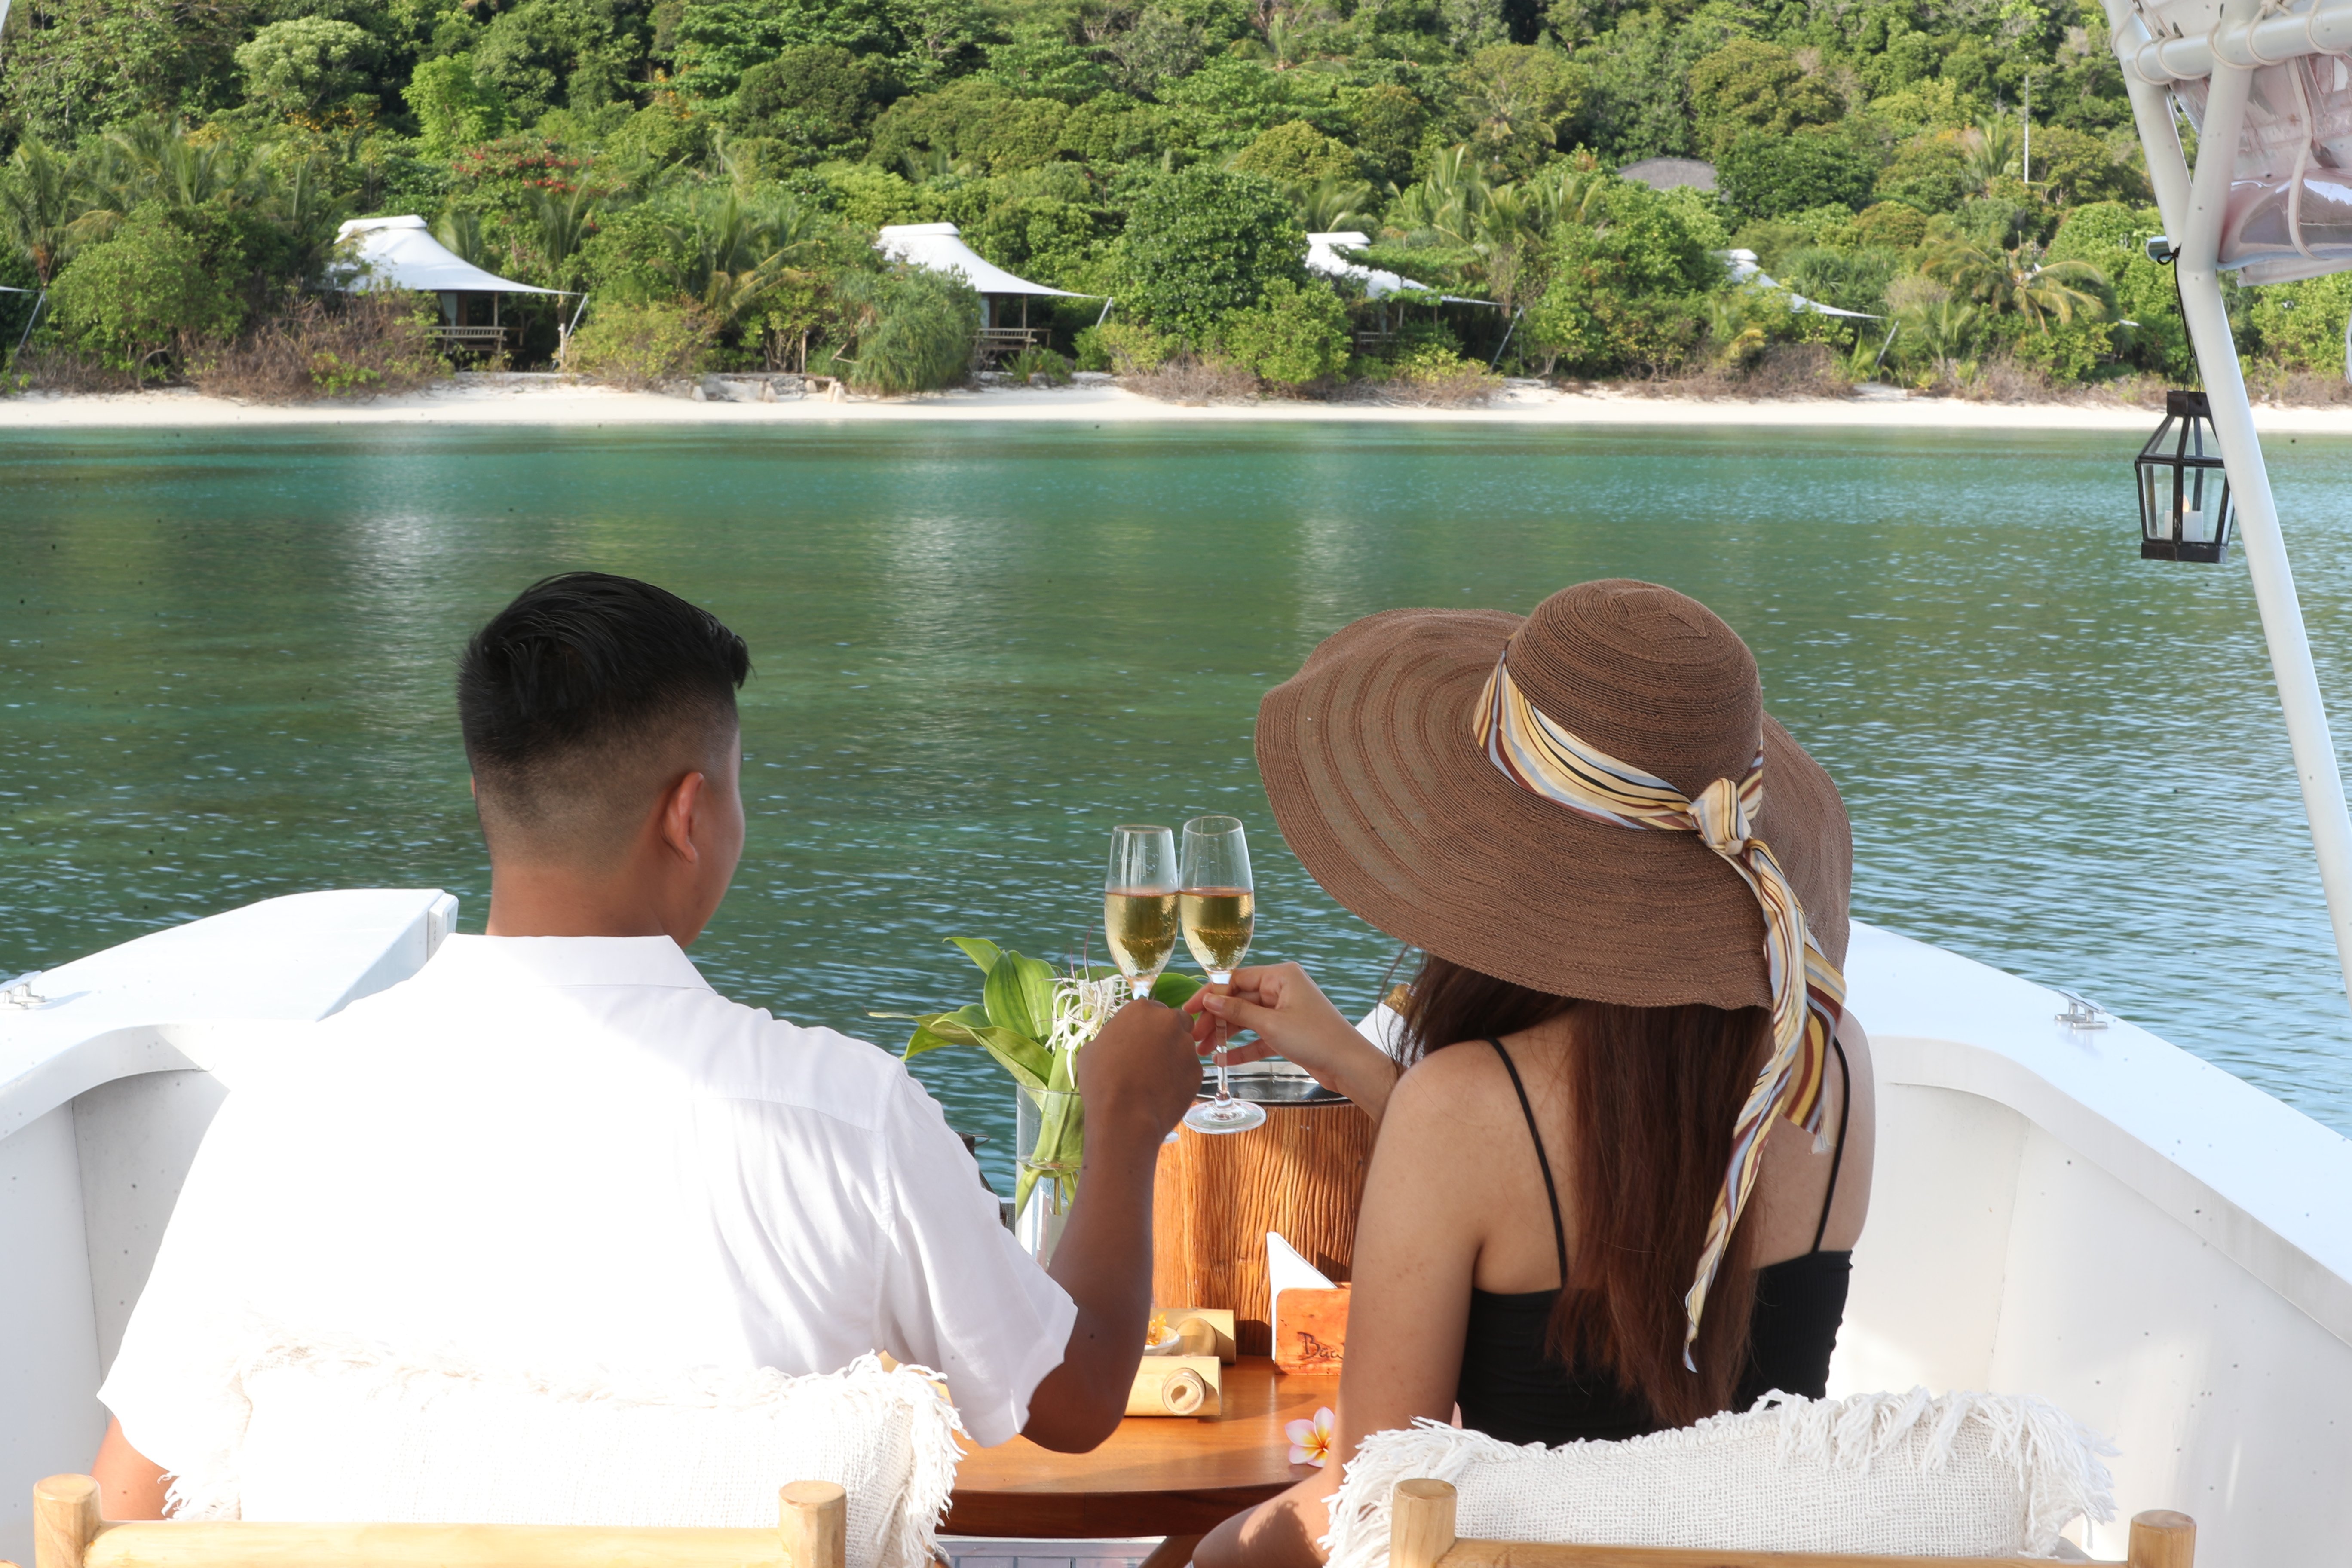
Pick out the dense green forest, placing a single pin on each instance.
(711, 173)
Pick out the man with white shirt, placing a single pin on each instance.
(556, 1146)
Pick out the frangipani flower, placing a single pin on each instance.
(1310, 1441)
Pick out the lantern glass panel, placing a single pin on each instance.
(2155, 501)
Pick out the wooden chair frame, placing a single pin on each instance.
(1420, 1535)
(812, 1533)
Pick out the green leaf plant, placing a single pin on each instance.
(1034, 1022)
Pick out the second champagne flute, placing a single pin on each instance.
(1140, 903)
(1218, 907)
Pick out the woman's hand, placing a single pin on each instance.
(1292, 1018)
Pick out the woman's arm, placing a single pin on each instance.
(1292, 1018)
(1418, 1237)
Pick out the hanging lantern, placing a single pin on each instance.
(2184, 491)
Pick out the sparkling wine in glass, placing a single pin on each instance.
(1217, 906)
(1140, 903)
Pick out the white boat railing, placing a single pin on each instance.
(2170, 46)
(2194, 208)
(107, 1081)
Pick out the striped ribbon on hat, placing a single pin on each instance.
(1544, 759)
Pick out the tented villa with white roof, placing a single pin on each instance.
(1004, 328)
(1380, 285)
(400, 253)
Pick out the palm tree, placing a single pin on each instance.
(303, 199)
(738, 247)
(1442, 207)
(1284, 41)
(41, 194)
(2016, 282)
(157, 160)
(1993, 151)
(563, 219)
(1330, 204)
(1734, 329)
(1928, 314)
(1569, 195)
(460, 234)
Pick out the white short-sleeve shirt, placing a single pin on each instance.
(571, 1152)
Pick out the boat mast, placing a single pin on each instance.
(2193, 209)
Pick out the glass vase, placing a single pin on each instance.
(1048, 1133)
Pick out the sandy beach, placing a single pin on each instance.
(526, 399)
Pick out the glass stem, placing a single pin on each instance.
(1225, 1084)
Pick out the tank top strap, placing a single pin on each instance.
(1543, 1160)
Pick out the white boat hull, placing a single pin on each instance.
(2095, 1217)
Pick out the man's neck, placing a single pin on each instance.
(556, 900)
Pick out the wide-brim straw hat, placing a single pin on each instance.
(1390, 800)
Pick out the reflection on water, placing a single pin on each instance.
(227, 665)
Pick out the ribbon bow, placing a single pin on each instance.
(1808, 992)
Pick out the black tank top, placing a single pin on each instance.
(1513, 1388)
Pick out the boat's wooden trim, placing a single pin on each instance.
(812, 1533)
(1420, 1535)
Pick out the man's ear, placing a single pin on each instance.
(678, 815)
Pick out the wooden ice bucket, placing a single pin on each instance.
(1301, 1174)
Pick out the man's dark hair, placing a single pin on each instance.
(584, 696)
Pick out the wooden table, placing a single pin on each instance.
(1156, 1476)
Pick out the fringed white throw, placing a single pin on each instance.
(345, 1432)
(1964, 1475)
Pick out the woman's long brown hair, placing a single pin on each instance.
(1653, 1095)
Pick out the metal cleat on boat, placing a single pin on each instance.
(2084, 1014)
(19, 993)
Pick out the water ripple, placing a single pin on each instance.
(226, 675)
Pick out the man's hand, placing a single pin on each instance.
(1141, 1069)
(1136, 1077)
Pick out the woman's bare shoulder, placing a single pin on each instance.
(1456, 1092)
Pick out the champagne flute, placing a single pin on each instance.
(1217, 907)
(1140, 903)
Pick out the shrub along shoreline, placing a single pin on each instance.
(713, 173)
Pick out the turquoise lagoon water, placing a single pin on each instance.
(226, 660)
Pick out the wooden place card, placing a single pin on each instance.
(1313, 1337)
(1177, 1386)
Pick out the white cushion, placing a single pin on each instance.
(1902, 1473)
(348, 1433)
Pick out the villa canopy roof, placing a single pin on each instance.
(1671, 174)
(1745, 269)
(939, 248)
(1321, 256)
(399, 253)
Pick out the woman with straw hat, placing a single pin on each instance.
(1618, 1187)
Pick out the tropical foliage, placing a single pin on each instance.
(711, 173)
(1033, 1021)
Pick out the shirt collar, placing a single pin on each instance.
(564, 961)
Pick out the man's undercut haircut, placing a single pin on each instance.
(584, 699)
